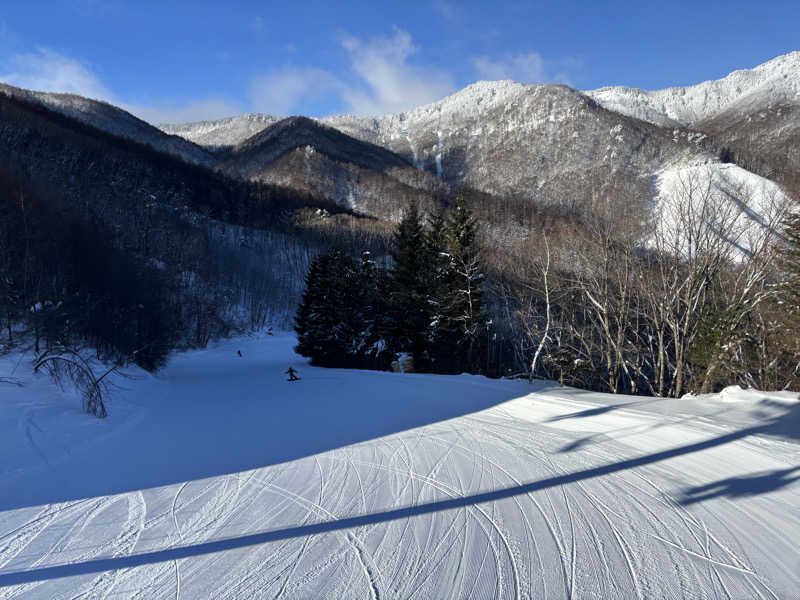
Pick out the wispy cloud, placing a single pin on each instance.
(196, 110)
(530, 68)
(280, 92)
(447, 11)
(381, 76)
(388, 82)
(380, 79)
(49, 71)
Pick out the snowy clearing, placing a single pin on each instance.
(220, 479)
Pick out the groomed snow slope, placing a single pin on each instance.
(219, 479)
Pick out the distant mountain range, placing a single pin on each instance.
(547, 144)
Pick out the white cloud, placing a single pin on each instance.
(380, 80)
(49, 71)
(528, 68)
(388, 82)
(280, 92)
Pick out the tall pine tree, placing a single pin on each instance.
(409, 306)
(462, 321)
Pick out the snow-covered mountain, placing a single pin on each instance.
(774, 82)
(115, 121)
(548, 144)
(223, 132)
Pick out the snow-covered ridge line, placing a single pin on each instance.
(112, 119)
(773, 81)
(777, 80)
(229, 131)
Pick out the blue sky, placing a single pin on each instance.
(177, 61)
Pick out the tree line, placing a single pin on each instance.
(427, 303)
(65, 280)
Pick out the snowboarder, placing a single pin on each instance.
(239, 352)
(292, 374)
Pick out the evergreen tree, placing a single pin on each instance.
(371, 310)
(462, 322)
(409, 280)
(338, 322)
(440, 281)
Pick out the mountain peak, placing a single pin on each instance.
(777, 80)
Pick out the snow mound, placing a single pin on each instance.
(735, 394)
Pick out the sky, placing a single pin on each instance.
(181, 61)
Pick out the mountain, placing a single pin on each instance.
(115, 121)
(774, 82)
(234, 252)
(547, 144)
(765, 140)
(305, 155)
(557, 146)
(223, 133)
(548, 147)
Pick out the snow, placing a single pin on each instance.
(747, 203)
(223, 132)
(736, 394)
(113, 120)
(775, 81)
(219, 478)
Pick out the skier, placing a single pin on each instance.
(239, 352)
(292, 374)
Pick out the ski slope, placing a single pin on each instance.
(220, 479)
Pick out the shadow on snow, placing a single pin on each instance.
(735, 486)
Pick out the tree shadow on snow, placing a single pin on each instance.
(734, 486)
(737, 487)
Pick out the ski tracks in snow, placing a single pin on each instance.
(624, 534)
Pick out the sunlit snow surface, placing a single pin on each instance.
(220, 479)
(774, 81)
(741, 207)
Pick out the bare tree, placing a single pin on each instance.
(65, 364)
